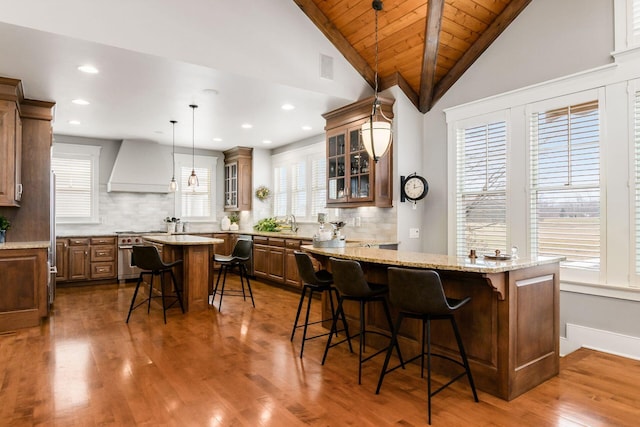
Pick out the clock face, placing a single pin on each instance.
(415, 187)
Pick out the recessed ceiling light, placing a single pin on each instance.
(217, 139)
(211, 91)
(74, 122)
(287, 107)
(159, 132)
(247, 126)
(88, 69)
(266, 141)
(306, 128)
(80, 102)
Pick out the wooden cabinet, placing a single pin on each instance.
(23, 275)
(10, 153)
(238, 179)
(103, 258)
(85, 259)
(353, 178)
(273, 259)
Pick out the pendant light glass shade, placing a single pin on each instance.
(193, 179)
(376, 132)
(173, 185)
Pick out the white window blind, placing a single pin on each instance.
(76, 191)
(481, 188)
(300, 182)
(565, 184)
(635, 21)
(196, 203)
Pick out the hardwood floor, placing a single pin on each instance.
(85, 366)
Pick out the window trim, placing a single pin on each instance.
(92, 153)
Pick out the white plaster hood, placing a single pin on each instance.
(141, 167)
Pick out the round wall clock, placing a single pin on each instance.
(413, 188)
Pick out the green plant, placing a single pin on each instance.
(267, 224)
(4, 223)
(234, 218)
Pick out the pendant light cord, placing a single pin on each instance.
(173, 150)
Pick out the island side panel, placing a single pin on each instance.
(196, 270)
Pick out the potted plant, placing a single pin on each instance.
(4, 226)
(234, 219)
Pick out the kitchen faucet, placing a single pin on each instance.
(291, 220)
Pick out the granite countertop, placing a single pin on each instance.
(182, 239)
(25, 245)
(432, 261)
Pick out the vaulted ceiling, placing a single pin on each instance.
(424, 46)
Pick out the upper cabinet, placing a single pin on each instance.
(10, 143)
(353, 178)
(238, 179)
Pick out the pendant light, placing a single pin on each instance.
(173, 185)
(193, 179)
(376, 132)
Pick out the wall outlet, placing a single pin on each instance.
(414, 233)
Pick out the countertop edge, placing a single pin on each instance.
(40, 244)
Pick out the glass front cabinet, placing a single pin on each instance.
(238, 179)
(353, 178)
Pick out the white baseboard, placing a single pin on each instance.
(597, 339)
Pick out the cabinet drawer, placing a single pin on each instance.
(275, 241)
(292, 244)
(103, 253)
(103, 270)
(76, 241)
(260, 240)
(103, 240)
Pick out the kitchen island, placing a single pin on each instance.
(193, 275)
(510, 328)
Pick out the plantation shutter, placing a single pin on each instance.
(318, 186)
(196, 201)
(280, 191)
(636, 133)
(565, 184)
(299, 189)
(74, 177)
(481, 188)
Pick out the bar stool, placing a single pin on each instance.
(419, 294)
(240, 256)
(349, 279)
(315, 281)
(148, 259)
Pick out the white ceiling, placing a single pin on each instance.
(158, 56)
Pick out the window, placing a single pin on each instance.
(634, 20)
(196, 203)
(76, 192)
(636, 136)
(300, 182)
(481, 205)
(565, 184)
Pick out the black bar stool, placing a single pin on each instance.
(315, 281)
(148, 259)
(419, 294)
(240, 256)
(349, 279)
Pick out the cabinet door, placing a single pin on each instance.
(244, 182)
(359, 188)
(78, 262)
(292, 277)
(9, 153)
(276, 264)
(261, 261)
(231, 185)
(61, 259)
(336, 168)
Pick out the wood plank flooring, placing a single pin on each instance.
(85, 366)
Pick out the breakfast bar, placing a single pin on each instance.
(196, 253)
(510, 328)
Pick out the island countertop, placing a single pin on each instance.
(431, 261)
(25, 245)
(182, 239)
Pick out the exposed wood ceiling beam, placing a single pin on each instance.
(396, 79)
(339, 41)
(430, 55)
(507, 16)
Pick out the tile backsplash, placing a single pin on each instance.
(146, 212)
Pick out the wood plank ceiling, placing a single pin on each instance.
(424, 46)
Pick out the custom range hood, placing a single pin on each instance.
(141, 166)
